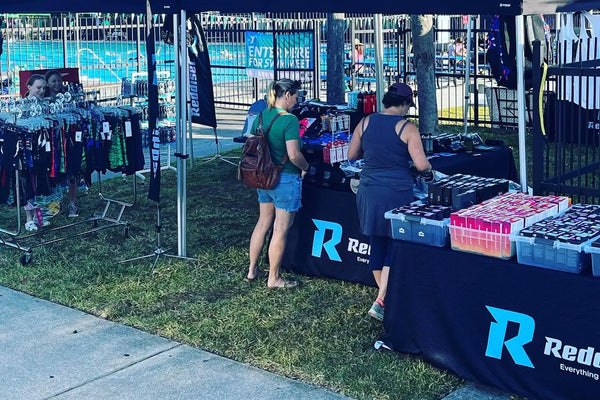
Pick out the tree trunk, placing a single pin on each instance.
(336, 26)
(424, 61)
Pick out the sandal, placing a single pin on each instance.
(287, 284)
(259, 275)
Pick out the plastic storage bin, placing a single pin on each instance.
(419, 230)
(594, 250)
(480, 242)
(552, 254)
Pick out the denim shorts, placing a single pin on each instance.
(287, 195)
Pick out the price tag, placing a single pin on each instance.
(109, 135)
(47, 147)
(105, 127)
(78, 135)
(102, 136)
(128, 132)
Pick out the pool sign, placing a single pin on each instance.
(294, 52)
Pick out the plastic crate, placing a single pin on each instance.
(595, 253)
(484, 243)
(551, 254)
(422, 230)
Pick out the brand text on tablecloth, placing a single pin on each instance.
(326, 228)
(553, 347)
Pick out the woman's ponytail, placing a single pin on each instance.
(271, 94)
(279, 88)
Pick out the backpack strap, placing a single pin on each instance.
(260, 121)
(266, 132)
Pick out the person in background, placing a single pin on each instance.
(387, 142)
(36, 86)
(54, 83)
(278, 206)
(356, 57)
(54, 87)
(457, 51)
(359, 55)
(253, 112)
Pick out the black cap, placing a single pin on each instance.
(403, 90)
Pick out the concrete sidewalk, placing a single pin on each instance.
(51, 351)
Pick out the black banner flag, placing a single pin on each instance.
(202, 108)
(154, 187)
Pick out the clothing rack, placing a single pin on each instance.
(54, 136)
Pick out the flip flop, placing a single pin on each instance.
(287, 284)
(259, 275)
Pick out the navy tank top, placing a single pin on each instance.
(386, 157)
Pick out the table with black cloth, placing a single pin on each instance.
(439, 304)
(330, 215)
(453, 308)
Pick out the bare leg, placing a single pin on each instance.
(257, 240)
(283, 221)
(383, 282)
(377, 276)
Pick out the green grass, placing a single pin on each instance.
(319, 333)
(458, 112)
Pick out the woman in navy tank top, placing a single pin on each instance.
(387, 142)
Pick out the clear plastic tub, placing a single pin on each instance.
(551, 254)
(480, 242)
(426, 231)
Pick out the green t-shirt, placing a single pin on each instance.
(285, 128)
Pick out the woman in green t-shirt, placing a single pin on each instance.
(278, 205)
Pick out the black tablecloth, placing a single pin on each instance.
(455, 307)
(325, 239)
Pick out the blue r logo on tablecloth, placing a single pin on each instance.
(319, 239)
(515, 345)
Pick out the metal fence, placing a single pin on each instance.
(487, 105)
(109, 47)
(566, 130)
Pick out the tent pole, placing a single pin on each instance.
(182, 138)
(520, 38)
(468, 74)
(380, 79)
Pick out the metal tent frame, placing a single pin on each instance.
(518, 8)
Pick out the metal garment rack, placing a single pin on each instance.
(104, 220)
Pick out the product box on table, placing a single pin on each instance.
(485, 228)
(495, 242)
(414, 228)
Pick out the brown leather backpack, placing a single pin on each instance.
(256, 168)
